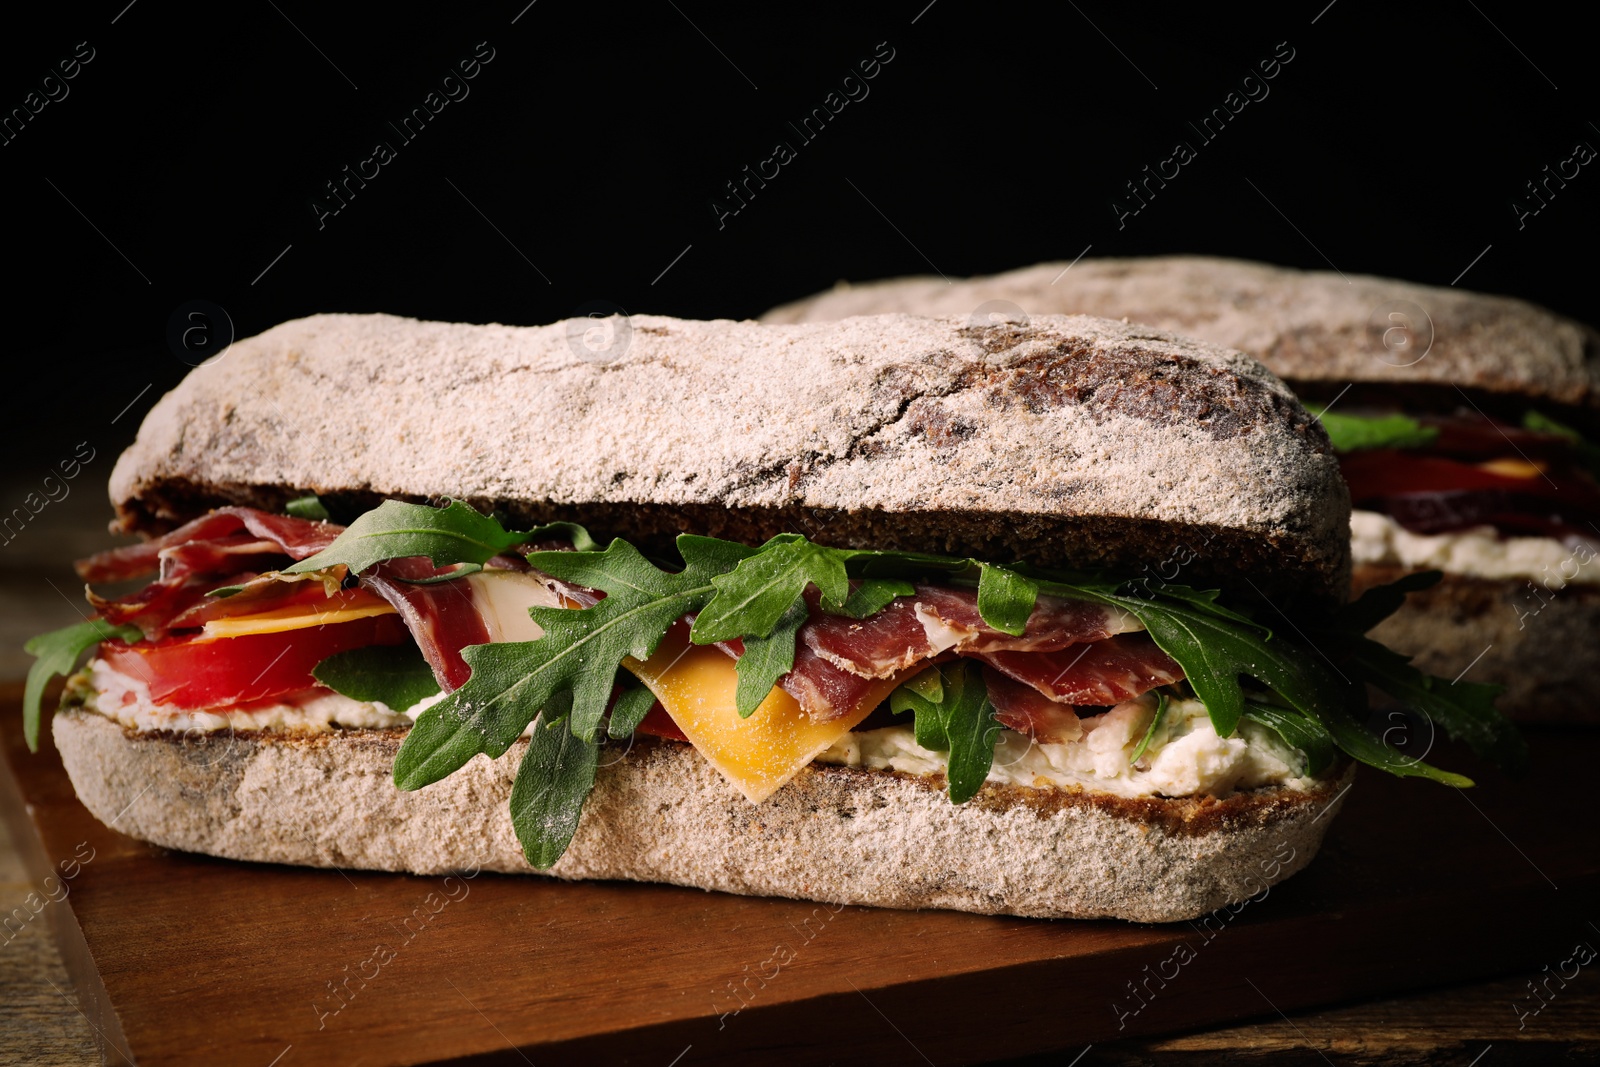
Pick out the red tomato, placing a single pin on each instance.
(238, 670)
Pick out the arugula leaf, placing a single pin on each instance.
(762, 588)
(1352, 433)
(1155, 724)
(1213, 652)
(1588, 452)
(57, 652)
(396, 675)
(579, 653)
(961, 721)
(1381, 601)
(307, 507)
(926, 725)
(578, 535)
(918, 697)
(553, 781)
(1297, 731)
(394, 529)
(969, 723)
(1465, 710)
(629, 710)
(1005, 599)
(766, 659)
(872, 595)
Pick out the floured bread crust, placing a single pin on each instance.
(1306, 326)
(1072, 441)
(660, 813)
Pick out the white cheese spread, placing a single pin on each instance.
(126, 700)
(1476, 553)
(1184, 758)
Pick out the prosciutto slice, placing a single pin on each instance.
(1028, 711)
(1100, 673)
(196, 544)
(938, 619)
(441, 615)
(822, 690)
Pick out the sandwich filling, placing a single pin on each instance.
(1472, 495)
(765, 659)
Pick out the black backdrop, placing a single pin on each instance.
(580, 163)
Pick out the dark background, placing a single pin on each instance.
(592, 144)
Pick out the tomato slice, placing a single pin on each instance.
(185, 672)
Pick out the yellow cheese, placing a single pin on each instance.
(696, 684)
(296, 617)
(1514, 468)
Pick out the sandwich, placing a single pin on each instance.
(1046, 621)
(1467, 426)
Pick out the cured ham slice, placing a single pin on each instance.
(197, 544)
(938, 619)
(823, 691)
(1028, 711)
(1102, 673)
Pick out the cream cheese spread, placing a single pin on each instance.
(1476, 553)
(1184, 758)
(126, 700)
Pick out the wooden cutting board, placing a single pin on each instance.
(183, 959)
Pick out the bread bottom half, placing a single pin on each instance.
(1542, 644)
(661, 813)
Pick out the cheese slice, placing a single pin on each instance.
(1514, 468)
(502, 599)
(696, 684)
(294, 617)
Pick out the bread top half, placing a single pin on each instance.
(1308, 327)
(1069, 441)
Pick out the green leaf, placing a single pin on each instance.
(1297, 732)
(1381, 601)
(1588, 452)
(1465, 710)
(1155, 724)
(969, 723)
(872, 595)
(553, 781)
(1005, 599)
(396, 675)
(919, 702)
(579, 653)
(959, 721)
(760, 590)
(394, 530)
(1213, 652)
(578, 535)
(57, 652)
(629, 710)
(307, 507)
(766, 659)
(1353, 433)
